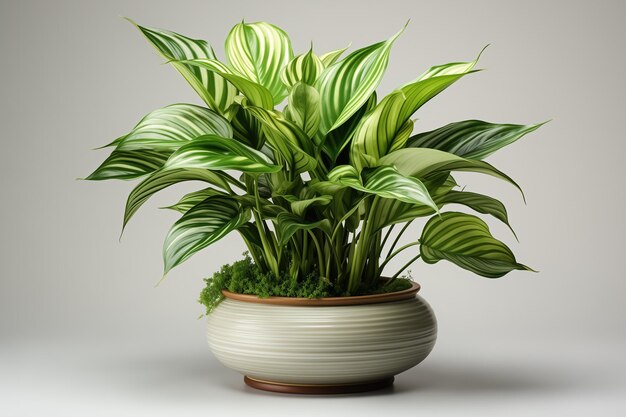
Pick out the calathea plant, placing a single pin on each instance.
(314, 188)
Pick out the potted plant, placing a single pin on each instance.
(316, 190)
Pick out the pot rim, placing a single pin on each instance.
(327, 301)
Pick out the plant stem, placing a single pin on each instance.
(270, 256)
(320, 254)
(402, 269)
(382, 266)
(395, 242)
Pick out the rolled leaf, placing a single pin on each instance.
(466, 241)
(472, 139)
(202, 225)
(216, 92)
(304, 109)
(259, 51)
(304, 68)
(329, 58)
(217, 153)
(346, 85)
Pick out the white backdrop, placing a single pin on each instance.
(82, 327)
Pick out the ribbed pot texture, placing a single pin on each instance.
(326, 345)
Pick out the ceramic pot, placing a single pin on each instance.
(324, 345)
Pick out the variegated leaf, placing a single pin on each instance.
(329, 58)
(125, 165)
(172, 126)
(191, 199)
(256, 93)
(388, 126)
(160, 179)
(259, 51)
(217, 153)
(420, 162)
(466, 241)
(202, 225)
(216, 92)
(346, 85)
(304, 68)
(385, 182)
(472, 139)
(287, 139)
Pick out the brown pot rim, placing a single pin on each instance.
(327, 301)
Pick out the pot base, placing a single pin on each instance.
(313, 389)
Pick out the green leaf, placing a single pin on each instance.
(256, 93)
(346, 85)
(304, 108)
(286, 138)
(259, 51)
(304, 68)
(385, 182)
(247, 129)
(299, 206)
(329, 58)
(466, 241)
(388, 126)
(172, 126)
(216, 92)
(420, 162)
(337, 139)
(160, 179)
(193, 198)
(477, 202)
(202, 225)
(287, 224)
(217, 153)
(126, 165)
(472, 139)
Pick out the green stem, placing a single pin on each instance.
(320, 254)
(362, 250)
(270, 255)
(402, 269)
(382, 245)
(395, 242)
(408, 245)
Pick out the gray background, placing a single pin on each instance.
(83, 330)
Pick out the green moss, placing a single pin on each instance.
(244, 277)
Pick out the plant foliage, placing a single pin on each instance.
(314, 187)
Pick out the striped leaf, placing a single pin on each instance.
(299, 206)
(216, 92)
(256, 93)
(246, 128)
(477, 202)
(160, 179)
(337, 139)
(287, 139)
(217, 153)
(472, 139)
(304, 68)
(466, 241)
(259, 51)
(125, 165)
(172, 126)
(420, 162)
(388, 126)
(346, 85)
(287, 224)
(304, 108)
(329, 58)
(204, 224)
(385, 182)
(193, 198)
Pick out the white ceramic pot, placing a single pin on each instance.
(327, 345)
